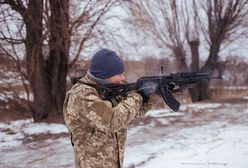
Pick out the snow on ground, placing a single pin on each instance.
(215, 145)
(12, 133)
(203, 135)
(222, 141)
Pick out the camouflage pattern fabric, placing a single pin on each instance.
(98, 129)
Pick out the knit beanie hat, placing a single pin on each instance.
(106, 63)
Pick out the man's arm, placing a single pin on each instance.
(100, 114)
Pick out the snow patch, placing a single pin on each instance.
(200, 106)
(216, 145)
(163, 113)
(39, 128)
(12, 133)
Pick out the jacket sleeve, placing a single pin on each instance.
(101, 115)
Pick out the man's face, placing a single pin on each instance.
(116, 79)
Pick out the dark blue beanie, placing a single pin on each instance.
(106, 63)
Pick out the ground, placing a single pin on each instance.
(202, 135)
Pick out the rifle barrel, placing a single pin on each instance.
(216, 77)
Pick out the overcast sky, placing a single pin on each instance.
(148, 46)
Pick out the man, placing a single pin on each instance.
(98, 127)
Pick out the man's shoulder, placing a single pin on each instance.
(76, 96)
(80, 88)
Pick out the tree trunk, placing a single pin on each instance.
(57, 63)
(194, 47)
(34, 59)
(180, 58)
(195, 91)
(209, 68)
(47, 77)
(201, 91)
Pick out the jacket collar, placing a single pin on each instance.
(91, 78)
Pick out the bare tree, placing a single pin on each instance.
(47, 76)
(226, 22)
(160, 20)
(179, 24)
(87, 20)
(47, 31)
(11, 45)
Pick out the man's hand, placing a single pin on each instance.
(145, 96)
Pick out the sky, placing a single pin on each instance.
(147, 46)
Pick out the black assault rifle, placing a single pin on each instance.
(163, 85)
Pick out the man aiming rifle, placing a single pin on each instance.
(99, 106)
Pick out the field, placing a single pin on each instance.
(210, 134)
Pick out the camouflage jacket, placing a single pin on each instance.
(98, 129)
